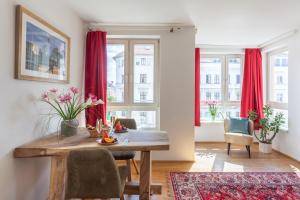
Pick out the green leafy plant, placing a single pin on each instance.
(269, 125)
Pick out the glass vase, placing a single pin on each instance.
(69, 127)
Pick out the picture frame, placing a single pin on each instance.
(42, 52)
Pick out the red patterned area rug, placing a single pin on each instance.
(236, 185)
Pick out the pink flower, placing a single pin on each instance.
(65, 98)
(53, 90)
(93, 97)
(74, 90)
(44, 96)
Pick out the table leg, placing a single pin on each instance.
(145, 175)
(57, 178)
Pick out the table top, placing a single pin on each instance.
(133, 140)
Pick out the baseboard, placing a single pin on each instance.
(170, 161)
(286, 155)
(209, 142)
(196, 142)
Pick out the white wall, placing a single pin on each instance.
(176, 70)
(287, 142)
(20, 118)
(210, 132)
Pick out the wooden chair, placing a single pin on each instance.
(126, 155)
(238, 138)
(94, 174)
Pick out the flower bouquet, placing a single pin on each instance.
(68, 105)
(213, 109)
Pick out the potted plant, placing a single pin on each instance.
(68, 105)
(213, 109)
(269, 127)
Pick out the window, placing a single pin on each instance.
(208, 96)
(217, 79)
(278, 82)
(132, 81)
(208, 79)
(115, 73)
(279, 97)
(226, 90)
(217, 96)
(143, 61)
(238, 79)
(143, 78)
(143, 96)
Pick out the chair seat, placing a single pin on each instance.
(123, 155)
(238, 138)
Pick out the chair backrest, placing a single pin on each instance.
(227, 126)
(127, 122)
(92, 174)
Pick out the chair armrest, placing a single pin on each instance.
(226, 125)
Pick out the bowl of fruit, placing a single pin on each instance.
(119, 128)
(107, 140)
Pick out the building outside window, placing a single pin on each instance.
(208, 79)
(279, 79)
(217, 96)
(278, 82)
(143, 61)
(134, 60)
(238, 79)
(226, 88)
(143, 96)
(208, 95)
(143, 78)
(217, 79)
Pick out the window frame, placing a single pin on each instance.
(274, 104)
(129, 105)
(224, 80)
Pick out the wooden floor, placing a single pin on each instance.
(211, 157)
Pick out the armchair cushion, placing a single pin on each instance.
(238, 138)
(239, 125)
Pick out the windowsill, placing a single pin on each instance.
(284, 130)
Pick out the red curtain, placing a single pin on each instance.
(252, 91)
(197, 87)
(95, 74)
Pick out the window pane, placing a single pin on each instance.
(143, 73)
(144, 119)
(279, 78)
(206, 116)
(117, 114)
(285, 115)
(115, 73)
(231, 111)
(210, 71)
(223, 112)
(234, 79)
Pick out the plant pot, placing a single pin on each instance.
(265, 148)
(69, 127)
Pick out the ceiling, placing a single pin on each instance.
(219, 22)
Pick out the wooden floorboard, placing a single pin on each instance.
(210, 157)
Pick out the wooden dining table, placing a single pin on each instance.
(58, 148)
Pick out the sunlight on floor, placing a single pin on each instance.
(295, 169)
(230, 167)
(203, 161)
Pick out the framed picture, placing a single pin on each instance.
(42, 51)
